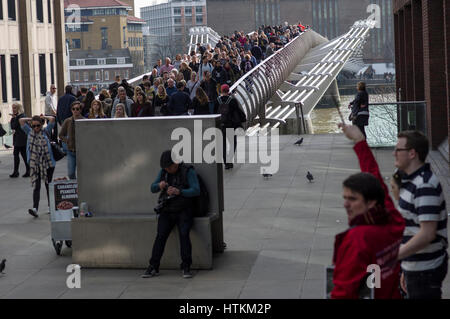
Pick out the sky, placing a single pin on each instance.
(143, 3)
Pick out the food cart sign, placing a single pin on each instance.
(63, 197)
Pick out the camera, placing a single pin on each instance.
(162, 201)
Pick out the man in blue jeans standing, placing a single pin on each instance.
(67, 136)
(178, 184)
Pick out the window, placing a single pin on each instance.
(76, 43)
(80, 62)
(104, 38)
(52, 71)
(15, 77)
(188, 11)
(42, 74)
(177, 20)
(76, 75)
(101, 61)
(12, 10)
(106, 75)
(39, 11)
(177, 11)
(1, 10)
(3, 72)
(86, 76)
(120, 60)
(199, 20)
(49, 8)
(97, 75)
(199, 10)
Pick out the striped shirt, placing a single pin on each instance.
(421, 199)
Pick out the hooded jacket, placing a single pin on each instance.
(373, 238)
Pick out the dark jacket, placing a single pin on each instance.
(63, 111)
(200, 109)
(179, 103)
(219, 75)
(360, 108)
(160, 105)
(19, 137)
(230, 121)
(257, 52)
(144, 110)
(210, 89)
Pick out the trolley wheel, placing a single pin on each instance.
(57, 246)
(68, 243)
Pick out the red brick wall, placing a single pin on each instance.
(422, 38)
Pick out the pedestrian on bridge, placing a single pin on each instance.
(360, 108)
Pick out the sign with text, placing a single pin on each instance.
(63, 197)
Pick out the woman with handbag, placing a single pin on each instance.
(67, 135)
(360, 108)
(39, 155)
(19, 140)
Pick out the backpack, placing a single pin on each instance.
(248, 66)
(224, 109)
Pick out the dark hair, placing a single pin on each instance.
(68, 89)
(417, 141)
(145, 77)
(361, 86)
(37, 118)
(83, 90)
(180, 85)
(367, 185)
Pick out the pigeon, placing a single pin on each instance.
(309, 177)
(267, 176)
(299, 142)
(2, 266)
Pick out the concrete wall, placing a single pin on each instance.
(117, 160)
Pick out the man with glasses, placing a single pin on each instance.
(67, 135)
(422, 204)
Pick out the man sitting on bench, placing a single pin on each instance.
(178, 184)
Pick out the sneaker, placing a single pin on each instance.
(187, 273)
(14, 175)
(228, 166)
(27, 174)
(150, 272)
(33, 212)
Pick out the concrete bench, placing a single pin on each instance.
(118, 242)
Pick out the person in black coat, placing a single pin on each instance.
(360, 108)
(142, 108)
(209, 85)
(64, 110)
(180, 101)
(200, 102)
(19, 141)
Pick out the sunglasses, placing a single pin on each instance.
(36, 125)
(75, 109)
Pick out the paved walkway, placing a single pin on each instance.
(279, 232)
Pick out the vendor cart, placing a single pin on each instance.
(63, 207)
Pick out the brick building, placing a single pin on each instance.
(107, 41)
(330, 18)
(422, 40)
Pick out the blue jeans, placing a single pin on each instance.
(211, 107)
(71, 164)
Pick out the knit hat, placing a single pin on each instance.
(225, 88)
(166, 159)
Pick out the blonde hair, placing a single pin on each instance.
(20, 109)
(136, 90)
(123, 108)
(100, 110)
(105, 93)
(164, 91)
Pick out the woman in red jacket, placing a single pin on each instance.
(375, 233)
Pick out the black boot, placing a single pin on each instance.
(14, 175)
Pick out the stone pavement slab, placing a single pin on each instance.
(279, 233)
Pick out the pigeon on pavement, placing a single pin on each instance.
(299, 142)
(2, 266)
(310, 177)
(267, 176)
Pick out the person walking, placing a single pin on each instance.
(360, 108)
(200, 104)
(51, 103)
(19, 140)
(180, 102)
(123, 99)
(39, 156)
(161, 101)
(64, 105)
(67, 135)
(142, 108)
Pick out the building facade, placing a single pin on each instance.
(422, 40)
(32, 55)
(169, 23)
(98, 27)
(330, 18)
